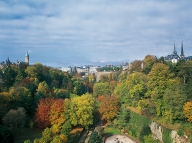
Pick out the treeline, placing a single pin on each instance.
(157, 89)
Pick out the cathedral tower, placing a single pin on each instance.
(27, 58)
(182, 56)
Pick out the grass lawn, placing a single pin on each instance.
(23, 134)
(111, 131)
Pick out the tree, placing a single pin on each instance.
(187, 108)
(66, 128)
(184, 71)
(47, 135)
(9, 77)
(174, 99)
(57, 115)
(15, 118)
(61, 93)
(123, 117)
(5, 99)
(43, 88)
(159, 79)
(109, 107)
(79, 88)
(82, 109)
(95, 138)
(148, 61)
(135, 66)
(137, 86)
(101, 89)
(43, 112)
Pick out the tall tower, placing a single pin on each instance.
(174, 51)
(27, 58)
(182, 52)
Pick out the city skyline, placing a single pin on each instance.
(64, 33)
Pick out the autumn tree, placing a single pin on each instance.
(135, 66)
(187, 108)
(57, 115)
(43, 112)
(109, 107)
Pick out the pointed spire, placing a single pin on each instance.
(182, 52)
(174, 51)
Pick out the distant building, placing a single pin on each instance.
(27, 58)
(174, 58)
(17, 63)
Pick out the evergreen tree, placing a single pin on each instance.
(95, 138)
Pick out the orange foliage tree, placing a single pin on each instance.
(109, 107)
(43, 112)
(188, 111)
(57, 115)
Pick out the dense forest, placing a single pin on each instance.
(56, 102)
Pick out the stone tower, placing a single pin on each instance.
(27, 58)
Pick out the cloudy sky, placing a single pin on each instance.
(78, 32)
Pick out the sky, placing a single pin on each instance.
(61, 33)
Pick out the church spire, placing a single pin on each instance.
(174, 51)
(182, 52)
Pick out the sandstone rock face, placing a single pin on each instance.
(179, 139)
(157, 131)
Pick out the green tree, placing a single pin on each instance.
(95, 138)
(66, 128)
(137, 86)
(9, 76)
(101, 88)
(148, 62)
(79, 87)
(174, 99)
(159, 79)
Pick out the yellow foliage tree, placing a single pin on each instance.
(82, 110)
(187, 108)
